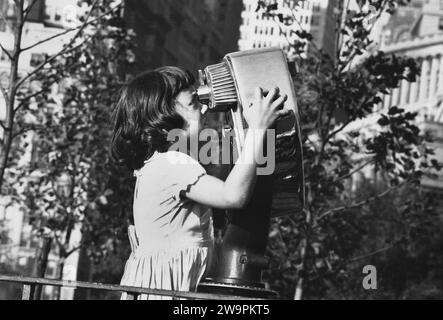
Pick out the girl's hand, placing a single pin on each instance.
(262, 113)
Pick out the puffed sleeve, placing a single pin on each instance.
(187, 172)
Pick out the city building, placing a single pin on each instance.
(315, 17)
(47, 18)
(416, 31)
(185, 33)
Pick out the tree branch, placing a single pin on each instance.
(87, 23)
(354, 52)
(359, 204)
(371, 254)
(4, 93)
(298, 294)
(312, 144)
(323, 130)
(340, 37)
(2, 16)
(350, 174)
(28, 9)
(33, 95)
(27, 129)
(6, 51)
(68, 253)
(365, 256)
(66, 49)
(288, 3)
(332, 134)
(50, 38)
(343, 127)
(49, 60)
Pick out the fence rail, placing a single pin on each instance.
(133, 293)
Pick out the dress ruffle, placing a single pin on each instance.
(179, 269)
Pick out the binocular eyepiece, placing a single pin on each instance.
(217, 88)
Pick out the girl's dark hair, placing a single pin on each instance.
(145, 113)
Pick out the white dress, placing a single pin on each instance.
(172, 240)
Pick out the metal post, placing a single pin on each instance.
(132, 296)
(28, 291)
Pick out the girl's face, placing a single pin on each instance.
(190, 109)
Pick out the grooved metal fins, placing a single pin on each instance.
(221, 80)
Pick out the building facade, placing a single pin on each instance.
(185, 33)
(315, 17)
(416, 31)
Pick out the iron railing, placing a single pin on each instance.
(133, 293)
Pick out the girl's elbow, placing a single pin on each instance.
(237, 201)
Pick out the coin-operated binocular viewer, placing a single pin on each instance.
(228, 87)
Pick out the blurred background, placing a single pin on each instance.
(370, 84)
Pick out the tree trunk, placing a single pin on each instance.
(12, 90)
(298, 295)
(299, 290)
(60, 275)
(63, 255)
(40, 264)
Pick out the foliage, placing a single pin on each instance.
(402, 238)
(338, 96)
(62, 131)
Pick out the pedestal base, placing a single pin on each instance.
(208, 286)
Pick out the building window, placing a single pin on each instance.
(57, 16)
(440, 24)
(438, 77)
(4, 239)
(37, 59)
(315, 20)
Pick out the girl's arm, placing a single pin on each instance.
(234, 193)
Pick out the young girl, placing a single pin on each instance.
(172, 241)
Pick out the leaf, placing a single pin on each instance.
(272, 7)
(395, 110)
(384, 121)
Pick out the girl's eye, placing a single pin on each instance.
(194, 98)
